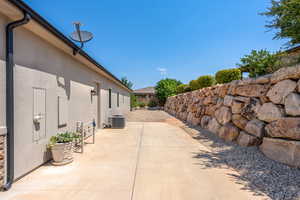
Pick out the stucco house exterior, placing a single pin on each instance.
(40, 75)
(145, 95)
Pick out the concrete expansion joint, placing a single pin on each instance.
(137, 161)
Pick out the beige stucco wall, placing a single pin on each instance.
(2, 106)
(41, 65)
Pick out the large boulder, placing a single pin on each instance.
(200, 111)
(279, 91)
(228, 100)
(256, 128)
(213, 126)
(250, 110)
(223, 115)
(210, 109)
(262, 79)
(222, 90)
(228, 132)
(298, 86)
(190, 117)
(292, 104)
(251, 90)
(239, 121)
(284, 151)
(237, 107)
(269, 112)
(286, 73)
(242, 99)
(210, 100)
(219, 102)
(246, 140)
(288, 127)
(204, 121)
(195, 121)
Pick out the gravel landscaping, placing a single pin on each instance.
(257, 173)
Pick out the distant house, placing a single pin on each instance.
(145, 95)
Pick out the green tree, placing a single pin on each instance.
(165, 88)
(206, 81)
(133, 101)
(259, 63)
(194, 85)
(228, 75)
(183, 88)
(286, 19)
(126, 82)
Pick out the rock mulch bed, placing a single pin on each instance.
(257, 173)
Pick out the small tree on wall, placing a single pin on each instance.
(259, 63)
(165, 88)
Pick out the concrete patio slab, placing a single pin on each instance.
(145, 161)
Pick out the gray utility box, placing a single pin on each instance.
(117, 121)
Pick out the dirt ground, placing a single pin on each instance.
(147, 116)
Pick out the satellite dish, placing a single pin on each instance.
(80, 36)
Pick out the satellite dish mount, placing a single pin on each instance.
(80, 36)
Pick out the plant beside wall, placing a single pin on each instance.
(141, 104)
(183, 88)
(206, 81)
(152, 104)
(194, 85)
(261, 62)
(61, 147)
(133, 101)
(228, 75)
(166, 88)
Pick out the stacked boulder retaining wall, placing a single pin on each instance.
(2, 155)
(263, 112)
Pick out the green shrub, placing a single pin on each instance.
(261, 62)
(228, 75)
(152, 104)
(187, 89)
(183, 88)
(180, 88)
(194, 85)
(166, 88)
(133, 101)
(141, 104)
(205, 81)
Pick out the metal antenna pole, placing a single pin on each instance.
(80, 36)
(77, 27)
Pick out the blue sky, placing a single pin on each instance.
(146, 40)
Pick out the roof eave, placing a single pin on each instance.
(44, 23)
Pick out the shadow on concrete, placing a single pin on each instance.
(257, 173)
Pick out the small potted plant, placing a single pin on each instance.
(61, 146)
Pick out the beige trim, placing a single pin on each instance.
(13, 13)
